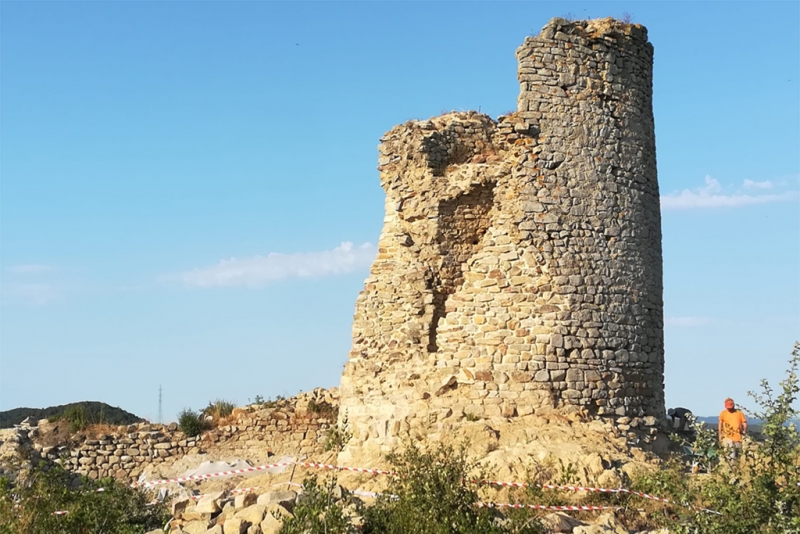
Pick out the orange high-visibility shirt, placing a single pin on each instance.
(732, 424)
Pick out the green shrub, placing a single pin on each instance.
(191, 423)
(338, 436)
(323, 509)
(323, 409)
(76, 417)
(27, 506)
(756, 494)
(274, 403)
(432, 494)
(219, 409)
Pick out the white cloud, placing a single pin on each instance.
(30, 269)
(686, 321)
(261, 270)
(711, 195)
(750, 184)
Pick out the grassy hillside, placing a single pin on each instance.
(92, 411)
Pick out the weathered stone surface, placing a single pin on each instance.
(235, 526)
(284, 498)
(195, 527)
(243, 500)
(273, 520)
(527, 249)
(288, 427)
(606, 524)
(210, 503)
(560, 522)
(252, 514)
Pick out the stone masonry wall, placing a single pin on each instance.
(519, 266)
(124, 453)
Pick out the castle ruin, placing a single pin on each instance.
(519, 267)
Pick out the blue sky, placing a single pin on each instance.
(189, 190)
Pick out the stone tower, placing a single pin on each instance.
(519, 266)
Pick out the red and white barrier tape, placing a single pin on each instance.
(601, 490)
(373, 471)
(210, 475)
(344, 468)
(544, 507)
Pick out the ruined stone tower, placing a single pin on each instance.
(519, 266)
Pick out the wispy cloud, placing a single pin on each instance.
(687, 321)
(261, 270)
(750, 184)
(712, 195)
(30, 269)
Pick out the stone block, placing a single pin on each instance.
(253, 514)
(542, 376)
(243, 500)
(284, 498)
(235, 526)
(575, 375)
(210, 503)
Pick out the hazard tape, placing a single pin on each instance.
(373, 471)
(210, 475)
(591, 489)
(344, 468)
(252, 488)
(561, 508)
(262, 468)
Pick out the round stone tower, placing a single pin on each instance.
(519, 266)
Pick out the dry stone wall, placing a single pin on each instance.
(125, 452)
(519, 266)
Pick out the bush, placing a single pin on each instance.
(219, 409)
(432, 494)
(756, 494)
(323, 509)
(27, 507)
(76, 417)
(191, 423)
(323, 409)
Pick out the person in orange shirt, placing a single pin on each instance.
(732, 425)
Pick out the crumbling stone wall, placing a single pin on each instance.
(290, 428)
(519, 266)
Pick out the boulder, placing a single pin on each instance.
(609, 479)
(594, 464)
(243, 500)
(252, 514)
(606, 524)
(179, 506)
(210, 504)
(273, 519)
(195, 527)
(284, 498)
(235, 526)
(560, 522)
